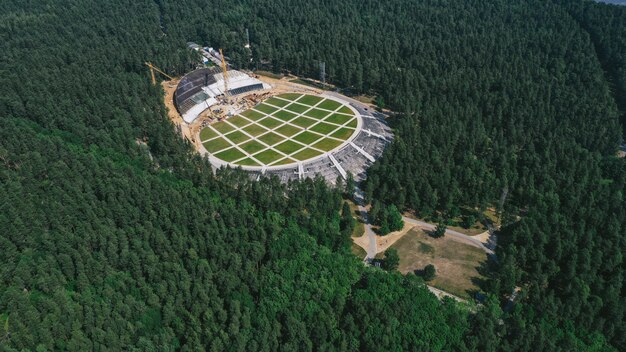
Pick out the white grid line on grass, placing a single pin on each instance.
(283, 123)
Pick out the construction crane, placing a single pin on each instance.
(154, 68)
(225, 73)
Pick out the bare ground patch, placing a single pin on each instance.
(456, 263)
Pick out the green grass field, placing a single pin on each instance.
(297, 108)
(252, 115)
(264, 139)
(289, 147)
(216, 144)
(346, 110)
(338, 119)
(237, 137)
(231, 154)
(238, 121)
(290, 96)
(255, 130)
(265, 108)
(268, 156)
(316, 113)
(284, 161)
(307, 137)
(303, 122)
(252, 147)
(343, 133)
(323, 128)
(277, 102)
(271, 138)
(284, 115)
(222, 127)
(306, 154)
(309, 100)
(327, 144)
(207, 133)
(329, 105)
(247, 162)
(270, 122)
(288, 130)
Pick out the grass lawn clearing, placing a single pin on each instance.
(290, 96)
(252, 147)
(329, 105)
(289, 147)
(297, 108)
(223, 127)
(252, 115)
(346, 110)
(307, 137)
(287, 130)
(358, 251)
(323, 128)
(338, 119)
(352, 123)
(248, 162)
(238, 121)
(343, 133)
(268, 156)
(303, 122)
(284, 115)
(456, 262)
(316, 113)
(327, 144)
(270, 122)
(284, 161)
(231, 154)
(255, 130)
(265, 108)
(237, 137)
(277, 102)
(216, 144)
(207, 133)
(305, 154)
(271, 138)
(309, 100)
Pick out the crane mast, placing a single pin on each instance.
(154, 68)
(225, 73)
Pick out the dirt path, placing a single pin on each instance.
(471, 240)
(441, 294)
(368, 240)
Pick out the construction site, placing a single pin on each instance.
(272, 125)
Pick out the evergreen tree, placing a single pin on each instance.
(395, 220)
(440, 230)
(391, 260)
(429, 272)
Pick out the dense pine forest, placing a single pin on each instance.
(117, 236)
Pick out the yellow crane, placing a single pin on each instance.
(154, 68)
(225, 73)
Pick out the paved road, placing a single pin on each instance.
(359, 199)
(451, 233)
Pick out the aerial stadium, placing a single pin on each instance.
(276, 127)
